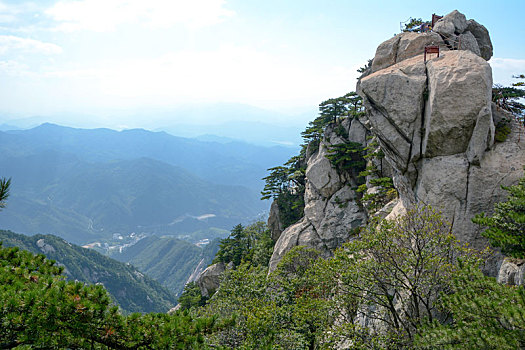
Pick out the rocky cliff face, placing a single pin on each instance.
(331, 211)
(435, 123)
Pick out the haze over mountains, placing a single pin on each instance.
(87, 185)
(232, 121)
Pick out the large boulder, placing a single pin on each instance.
(402, 47)
(394, 99)
(482, 37)
(467, 41)
(302, 233)
(457, 32)
(210, 279)
(459, 87)
(453, 31)
(453, 23)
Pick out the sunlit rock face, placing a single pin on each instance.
(210, 279)
(435, 123)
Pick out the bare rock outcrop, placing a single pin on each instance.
(403, 46)
(482, 37)
(512, 272)
(401, 88)
(452, 32)
(275, 224)
(459, 93)
(210, 279)
(458, 33)
(436, 124)
(44, 247)
(331, 211)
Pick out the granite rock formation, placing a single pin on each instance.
(331, 211)
(435, 123)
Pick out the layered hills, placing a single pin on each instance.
(236, 163)
(89, 185)
(132, 290)
(81, 201)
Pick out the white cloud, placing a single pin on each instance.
(504, 68)
(231, 73)
(14, 68)
(105, 15)
(7, 13)
(9, 43)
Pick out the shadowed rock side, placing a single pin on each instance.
(435, 123)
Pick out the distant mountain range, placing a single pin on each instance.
(258, 133)
(225, 120)
(228, 163)
(87, 185)
(131, 289)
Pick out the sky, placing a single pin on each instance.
(120, 62)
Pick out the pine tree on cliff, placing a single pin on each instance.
(4, 191)
(506, 227)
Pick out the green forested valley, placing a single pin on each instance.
(131, 289)
(168, 260)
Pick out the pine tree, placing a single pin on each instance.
(506, 227)
(40, 309)
(486, 314)
(4, 191)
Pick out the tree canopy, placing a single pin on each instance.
(251, 244)
(42, 310)
(506, 227)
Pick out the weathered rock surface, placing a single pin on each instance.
(44, 247)
(274, 222)
(482, 37)
(394, 98)
(435, 123)
(453, 23)
(401, 47)
(330, 212)
(209, 280)
(460, 86)
(457, 32)
(453, 31)
(442, 150)
(467, 41)
(512, 272)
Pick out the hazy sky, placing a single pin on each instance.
(105, 57)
